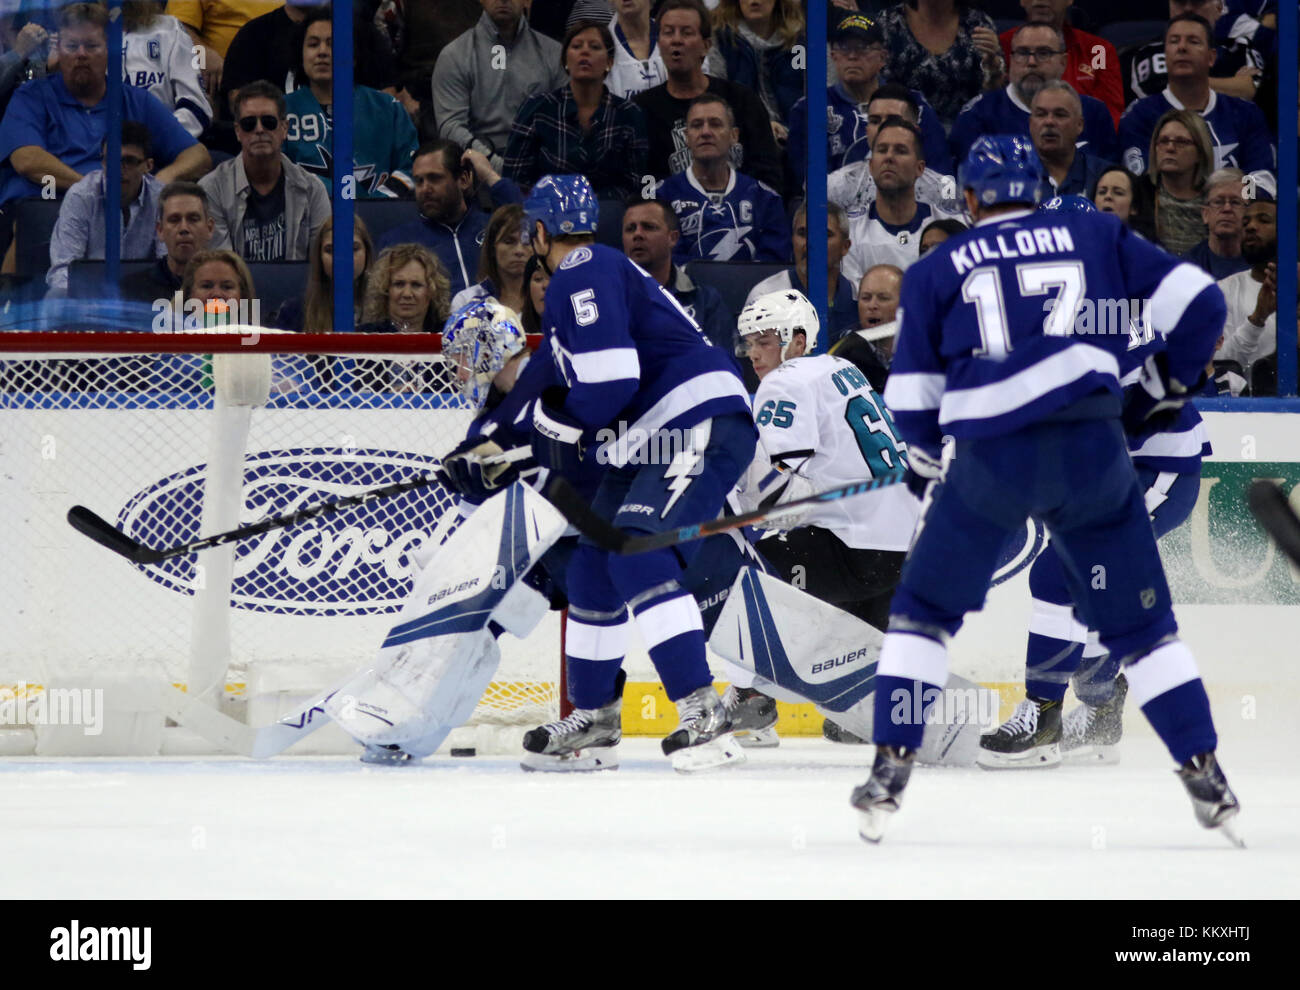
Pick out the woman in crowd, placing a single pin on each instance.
(754, 45)
(501, 262)
(1128, 197)
(217, 277)
(947, 49)
(1181, 159)
(581, 128)
(638, 65)
(314, 312)
(383, 137)
(536, 279)
(407, 291)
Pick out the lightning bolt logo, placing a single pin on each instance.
(729, 245)
(683, 469)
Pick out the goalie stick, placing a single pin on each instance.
(609, 537)
(104, 533)
(1270, 506)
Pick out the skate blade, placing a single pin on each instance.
(580, 761)
(719, 752)
(1038, 758)
(1096, 756)
(758, 738)
(1229, 831)
(871, 823)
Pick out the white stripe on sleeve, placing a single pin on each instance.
(1022, 388)
(610, 365)
(914, 391)
(1174, 294)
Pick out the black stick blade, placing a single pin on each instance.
(575, 509)
(106, 535)
(1274, 512)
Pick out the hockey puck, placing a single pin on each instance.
(466, 751)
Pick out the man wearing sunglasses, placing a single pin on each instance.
(79, 231)
(264, 206)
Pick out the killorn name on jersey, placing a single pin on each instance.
(1041, 240)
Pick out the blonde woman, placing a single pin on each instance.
(754, 45)
(314, 312)
(1180, 159)
(408, 291)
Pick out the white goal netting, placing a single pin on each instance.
(165, 447)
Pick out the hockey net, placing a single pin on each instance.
(153, 433)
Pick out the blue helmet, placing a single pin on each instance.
(1069, 204)
(565, 204)
(1003, 168)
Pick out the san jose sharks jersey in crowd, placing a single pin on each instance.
(383, 141)
(1003, 112)
(633, 361)
(875, 242)
(846, 132)
(819, 417)
(744, 222)
(1029, 312)
(160, 58)
(1238, 131)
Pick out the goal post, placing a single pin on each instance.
(174, 436)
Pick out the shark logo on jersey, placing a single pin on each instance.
(354, 563)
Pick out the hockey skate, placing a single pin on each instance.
(882, 794)
(385, 756)
(1029, 739)
(838, 734)
(1091, 734)
(1212, 798)
(753, 717)
(586, 740)
(703, 738)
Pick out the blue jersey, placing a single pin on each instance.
(744, 222)
(1027, 313)
(1002, 112)
(633, 361)
(1238, 132)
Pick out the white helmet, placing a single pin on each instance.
(482, 336)
(782, 312)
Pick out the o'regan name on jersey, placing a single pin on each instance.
(1009, 244)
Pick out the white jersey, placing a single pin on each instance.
(852, 188)
(161, 59)
(819, 417)
(876, 243)
(630, 75)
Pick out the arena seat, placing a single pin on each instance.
(86, 278)
(609, 226)
(1127, 34)
(382, 215)
(732, 279)
(35, 218)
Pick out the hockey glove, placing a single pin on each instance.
(1153, 403)
(923, 468)
(789, 488)
(557, 436)
(470, 470)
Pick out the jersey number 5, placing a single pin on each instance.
(983, 289)
(584, 307)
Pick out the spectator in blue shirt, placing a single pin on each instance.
(1055, 123)
(1224, 214)
(54, 127)
(450, 222)
(581, 128)
(80, 230)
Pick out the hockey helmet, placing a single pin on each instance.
(782, 312)
(481, 338)
(565, 204)
(1003, 168)
(1068, 204)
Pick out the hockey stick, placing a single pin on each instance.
(107, 535)
(1270, 506)
(608, 537)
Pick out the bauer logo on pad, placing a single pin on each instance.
(352, 563)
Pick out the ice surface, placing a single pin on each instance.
(778, 826)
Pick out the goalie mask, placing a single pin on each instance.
(480, 339)
(783, 313)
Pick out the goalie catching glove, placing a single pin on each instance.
(557, 436)
(476, 471)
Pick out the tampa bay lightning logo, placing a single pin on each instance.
(576, 257)
(1021, 549)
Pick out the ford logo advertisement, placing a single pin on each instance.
(355, 562)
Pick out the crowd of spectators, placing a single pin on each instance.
(689, 118)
